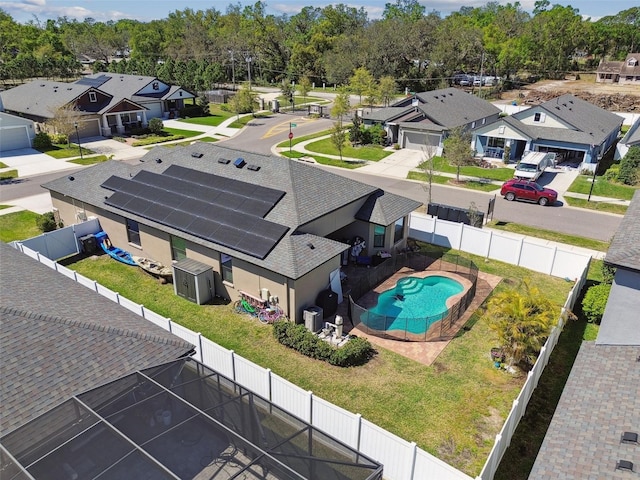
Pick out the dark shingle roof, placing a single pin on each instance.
(384, 208)
(624, 250)
(600, 401)
(310, 193)
(40, 98)
(58, 338)
(592, 124)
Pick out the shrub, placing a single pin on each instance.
(611, 175)
(594, 302)
(155, 125)
(59, 138)
(608, 272)
(356, 351)
(155, 139)
(191, 111)
(630, 167)
(46, 222)
(42, 140)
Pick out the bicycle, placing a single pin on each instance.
(271, 314)
(242, 306)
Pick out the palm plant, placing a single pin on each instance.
(522, 318)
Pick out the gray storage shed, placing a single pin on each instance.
(193, 280)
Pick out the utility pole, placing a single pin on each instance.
(249, 59)
(233, 72)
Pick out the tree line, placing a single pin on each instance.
(417, 49)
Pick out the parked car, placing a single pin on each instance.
(530, 191)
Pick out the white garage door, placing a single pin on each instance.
(89, 128)
(12, 138)
(414, 140)
(155, 110)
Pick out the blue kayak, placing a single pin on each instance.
(114, 252)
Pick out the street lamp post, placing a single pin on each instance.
(75, 124)
(593, 179)
(233, 71)
(249, 59)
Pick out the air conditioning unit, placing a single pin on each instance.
(313, 318)
(264, 294)
(81, 216)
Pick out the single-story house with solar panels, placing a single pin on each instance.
(261, 222)
(579, 132)
(107, 103)
(425, 118)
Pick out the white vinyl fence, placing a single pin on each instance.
(62, 242)
(552, 260)
(402, 460)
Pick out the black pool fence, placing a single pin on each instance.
(433, 327)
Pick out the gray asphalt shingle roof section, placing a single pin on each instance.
(451, 107)
(58, 338)
(596, 123)
(386, 114)
(41, 97)
(624, 250)
(620, 324)
(310, 194)
(385, 208)
(600, 401)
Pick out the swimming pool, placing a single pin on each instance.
(413, 305)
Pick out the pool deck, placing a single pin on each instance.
(423, 352)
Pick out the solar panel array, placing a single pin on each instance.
(222, 210)
(93, 82)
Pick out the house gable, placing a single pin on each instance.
(154, 87)
(93, 100)
(125, 106)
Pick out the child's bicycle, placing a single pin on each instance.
(242, 306)
(271, 314)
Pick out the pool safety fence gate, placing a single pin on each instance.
(436, 327)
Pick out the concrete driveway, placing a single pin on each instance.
(31, 162)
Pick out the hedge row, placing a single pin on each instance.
(357, 351)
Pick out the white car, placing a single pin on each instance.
(533, 164)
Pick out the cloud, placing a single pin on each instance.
(26, 9)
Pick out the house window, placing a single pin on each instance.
(484, 120)
(226, 268)
(133, 232)
(92, 97)
(495, 142)
(155, 86)
(398, 233)
(378, 236)
(473, 124)
(500, 130)
(538, 117)
(178, 248)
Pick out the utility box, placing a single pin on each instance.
(89, 243)
(313, 318)
(193, 280)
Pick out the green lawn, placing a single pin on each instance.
(602, 188)
(598, 206)
(296, 140)
(184, 133)
(62, 150)
(453, 409)
(3, 165)
(324, 160)
(18, 226)
(242, 121)
(550, 235)
(8, 174)
(90, 160)
(442, 180)
(372, 153)
(501, 174)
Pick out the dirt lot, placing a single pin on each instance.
(618, 98)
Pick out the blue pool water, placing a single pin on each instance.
(413, 304)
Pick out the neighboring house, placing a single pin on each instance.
(626, 72)
(630, 139)
(106, 103)
(426, 118)
(89, 389)
(601, 399)
(15, 132)
(58, 338)
(578, 132)
(261, 222)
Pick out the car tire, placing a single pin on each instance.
(510, 196)
(543, 201)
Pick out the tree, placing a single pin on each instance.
(338, 137)
(387, 87)
(457, 149)
(629, 173)
(341, 105)
(361, 82)
(522, 318)
(428, 152)
(64, 121)
(287, 91)
(304, 86)
(244, 101)
(155, 125)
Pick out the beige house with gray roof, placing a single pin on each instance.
(260, 222)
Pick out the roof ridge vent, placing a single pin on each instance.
(629, 437)
(196, 154)
(253, 168)
(624, 465)
(224, 161)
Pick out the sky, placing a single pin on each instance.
(146, 10)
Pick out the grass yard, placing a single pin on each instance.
(216, 117)
(598, 206)
(90, 160)
(502, 174)
(3, 165)
(453, 409)
(62, 150)
(324, 160)
(9, 174)
(184, 133)
(442, 180)
(18, 226)
(602, 188)
(372, 153)
(244, 120)
(549, 235)
(297, 140)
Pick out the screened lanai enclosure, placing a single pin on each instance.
(179, 420)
